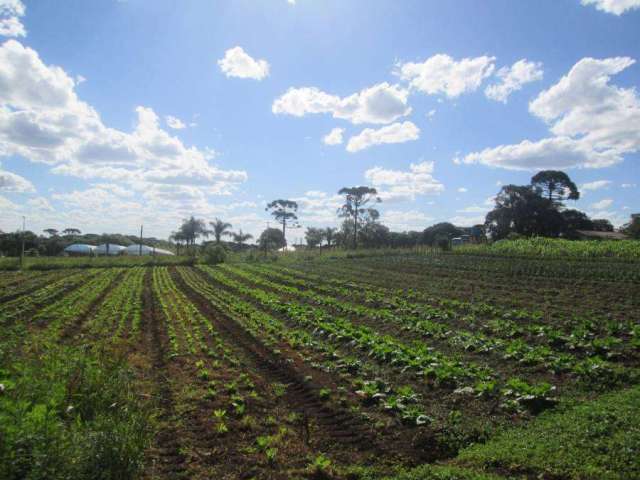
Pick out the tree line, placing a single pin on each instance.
(536, 209)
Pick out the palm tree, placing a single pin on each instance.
(191, 229)
(220, 228)
(177, 237)
(240, 237)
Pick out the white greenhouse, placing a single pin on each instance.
(146, 250)
(109, 249)
(80, 249)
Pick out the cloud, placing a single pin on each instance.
(10, 24)
(594, 123)
(334, 137)
(513, 78)
(397, 185)
(379, 104)
(549, 153)
(174, 122)
(629, 185)
(596, 185)
(441, 74)
(40, 203)
(602, 204)
(237, 63)
(10, 182)
(466, 221)
(43, 120)
(616, 7)
(394, 133)
(462, 190)
(400, 220)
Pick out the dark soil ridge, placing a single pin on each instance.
(168, 460)
(339, 426)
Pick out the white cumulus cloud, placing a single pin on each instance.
(174, 122)
(513, 78)
(397, 185)
(595, 185)
(593, 122)
(238, 63)
(602, 204)
(334, 137)
(11, 182)
(394, 133)
(441, 74)
(10, 13)
(616, 7)
(381, 103)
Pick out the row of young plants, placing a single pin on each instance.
(60, 315)
(20, 283)
(423, 364)
(243, 416)
(549, 298)
(20, 308)
(574, 330)
(571, 269)
(416, 358)
(121, 312)
(352, 374)
(528, 342)
(411, 320)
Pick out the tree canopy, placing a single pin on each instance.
(555, 186)
(355, 207)
(285, 213)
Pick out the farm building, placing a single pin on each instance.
(80, 249)
(109, 249)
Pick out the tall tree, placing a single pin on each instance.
(355, 206)
(555, 186)
(330, 235)
(314, 236)
(192, 228)
(241, 237)
(285, 213)
(220, 229)
(71, 231)
(271, 239)
(522, 210)
(52, 232)
(177, 237)
(632, 228)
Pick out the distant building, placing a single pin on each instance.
(79, 249)
(109, 249)
(146, 250)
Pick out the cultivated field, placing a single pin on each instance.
(483, 366)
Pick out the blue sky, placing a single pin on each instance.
(436, 104)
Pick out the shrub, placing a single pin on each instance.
(215, 254)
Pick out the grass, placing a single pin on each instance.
(599, 439)
(69, 413)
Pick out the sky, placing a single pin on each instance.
(117, 113)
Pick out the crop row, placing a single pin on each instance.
(351, 373)
(121, 311)
(528, 342)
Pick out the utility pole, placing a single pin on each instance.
(140, 246)
(22, 249)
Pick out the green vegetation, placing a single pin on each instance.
(597, 439)
(557, 248)
(475, 366)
